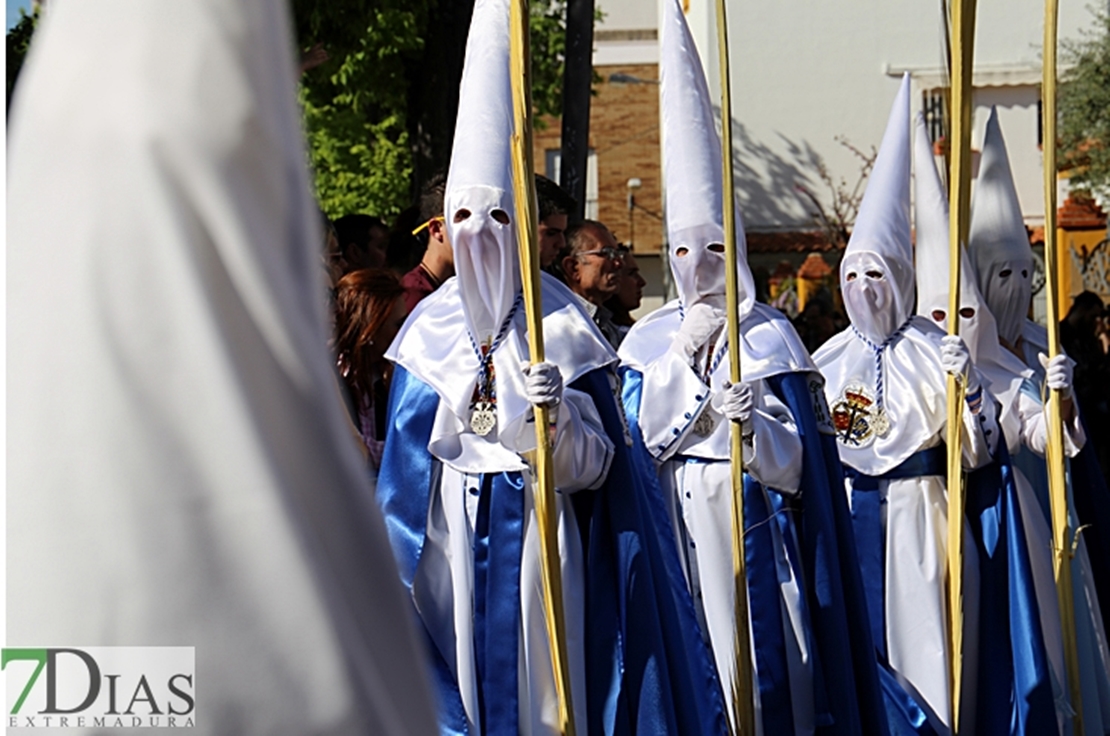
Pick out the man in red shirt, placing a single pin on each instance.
(438, 263)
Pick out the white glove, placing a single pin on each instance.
(954, 356)
(956, 359)
(737, 402)
(699, 324)
(543, 384)
(1058, 373)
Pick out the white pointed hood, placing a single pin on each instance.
(892, 376)
(880, 241)
(997, 242)
(692, 172)
(478, 201)
(931, 221)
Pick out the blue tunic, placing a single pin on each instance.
(1014, 694)
(647, 669)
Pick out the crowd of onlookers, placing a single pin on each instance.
(379, 274)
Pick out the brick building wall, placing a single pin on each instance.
(624, 135)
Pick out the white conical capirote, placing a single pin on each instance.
(932, 253)
(997, 242)
(478, 202)
(692, 171)
(880, 239)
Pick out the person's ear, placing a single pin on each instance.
(570, 267)
(438, 230)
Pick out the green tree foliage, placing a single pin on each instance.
(357, 106)
(18, 41)
(1084, 108)
(548, 22)
(354, 103)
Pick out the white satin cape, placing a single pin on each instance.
(181, 471)
(914, 396)
(699, 493)
(433, 346)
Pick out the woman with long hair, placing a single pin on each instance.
(369, 309)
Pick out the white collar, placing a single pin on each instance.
(769, 345)
(434, 346)
(586, 304)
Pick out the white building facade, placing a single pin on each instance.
(807, 73)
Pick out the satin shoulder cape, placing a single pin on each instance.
(848, 698)
(914, 393)
(769, 345)
(434, 346)
(647, 669)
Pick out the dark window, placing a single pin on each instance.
(933, 103)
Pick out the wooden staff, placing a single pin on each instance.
(1054, 452)
(527, 217)
(743, 704)
(962, 29)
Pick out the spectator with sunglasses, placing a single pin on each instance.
(592, 267)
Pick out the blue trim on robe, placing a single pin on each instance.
(867, 521)
(1014, 690)
(647, 671)
(834, 588)
(661, 676)
(848, 698)
(903, 712)
(404, 491)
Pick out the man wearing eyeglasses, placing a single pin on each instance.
(592, 267)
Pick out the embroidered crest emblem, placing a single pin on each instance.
(856, 418)
(704, 424)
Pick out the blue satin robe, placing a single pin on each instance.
(647, 670)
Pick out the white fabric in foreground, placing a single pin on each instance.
(180, 467)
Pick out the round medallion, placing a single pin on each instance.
(880, 423)
(483, 418)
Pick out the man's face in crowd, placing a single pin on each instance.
(595, 273)
(631, 290)
(552, 240)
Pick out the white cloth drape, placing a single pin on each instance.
(181, 471)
